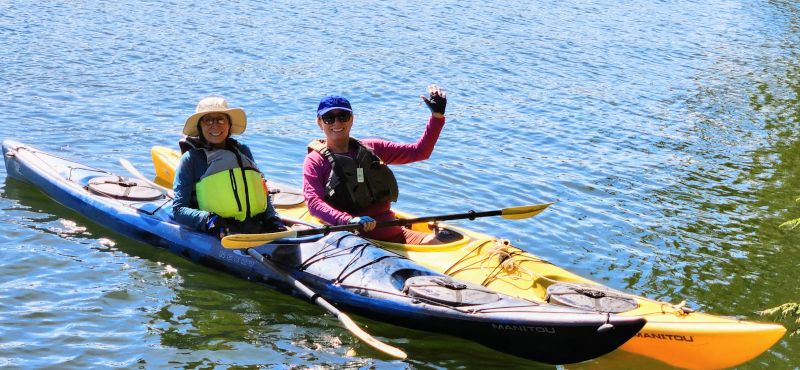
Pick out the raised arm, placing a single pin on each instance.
(401, 153)
(392, 152)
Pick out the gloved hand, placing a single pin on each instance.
(437, 101)
(216, 226)
(367, 223)
(275, 224)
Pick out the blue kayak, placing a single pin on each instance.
(350, 272)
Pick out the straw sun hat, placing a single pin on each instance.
(215, 104)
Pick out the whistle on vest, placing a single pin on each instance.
(360, 175)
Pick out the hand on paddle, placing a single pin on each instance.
(216, 226)
(240, 241)
(367, 223)
(437, 101)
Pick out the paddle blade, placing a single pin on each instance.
(518, 213)
(369, 339)
(241, 241)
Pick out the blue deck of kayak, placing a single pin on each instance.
(354, 274)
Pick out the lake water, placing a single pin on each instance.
(666, 132)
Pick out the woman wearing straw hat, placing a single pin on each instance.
(218, 187)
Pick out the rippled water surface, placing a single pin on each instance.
(667, 133)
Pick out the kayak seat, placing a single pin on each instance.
(443, 233)
(447, 235)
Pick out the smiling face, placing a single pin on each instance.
(215, 128)
(336, 125)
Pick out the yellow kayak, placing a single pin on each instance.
(673, 334)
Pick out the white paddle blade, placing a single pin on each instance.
(369, 339)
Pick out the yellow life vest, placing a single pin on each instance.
(232, 186)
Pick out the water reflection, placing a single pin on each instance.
(735, 183)
(186, 311)
(667, 131)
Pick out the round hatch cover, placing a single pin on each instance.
(446, 290)
(124, 188)
(284, 195)
(287, 199)
(590, 297)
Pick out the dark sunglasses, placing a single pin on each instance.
(330, 117)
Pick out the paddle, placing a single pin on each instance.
(239, 241)
(348, 323)
(130, 168)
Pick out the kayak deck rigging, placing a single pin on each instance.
(360, 261)
(673, 334)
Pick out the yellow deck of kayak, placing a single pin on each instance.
(684, 339)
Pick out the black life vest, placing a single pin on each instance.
(356, 184)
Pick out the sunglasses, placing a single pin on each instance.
(330, 117)
(219, 120)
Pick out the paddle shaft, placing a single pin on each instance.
(135, 172)
(400, 222)
(241, 241)
(294, 282)
(348, 323)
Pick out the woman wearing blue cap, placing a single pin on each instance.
(348, 181)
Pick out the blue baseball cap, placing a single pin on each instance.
(332, 102)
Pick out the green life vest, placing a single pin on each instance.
(355, 184)
(232, 186)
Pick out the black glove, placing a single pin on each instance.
(217, 226)
(437, 101)
(275, 224)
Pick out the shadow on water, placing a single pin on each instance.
(720, 234)
(214, 319)
(778, 167)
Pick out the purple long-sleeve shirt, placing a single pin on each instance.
(316, 170)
